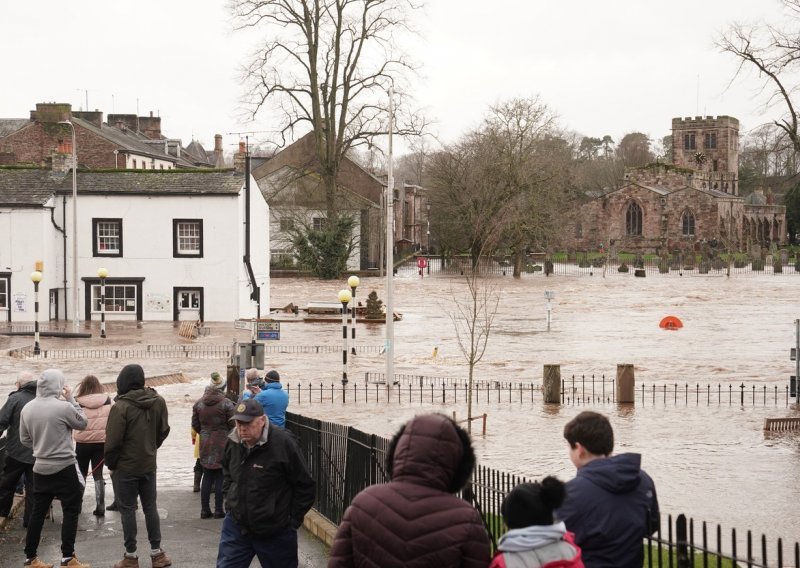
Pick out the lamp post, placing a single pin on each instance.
(102, 273)
(75, 313)
(353, 282)
(344, 298)
(36, 277)
(389, 346)
(428, 235)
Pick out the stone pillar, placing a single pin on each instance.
(551, 385)
(626, 383)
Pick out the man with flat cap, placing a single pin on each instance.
(268, 491)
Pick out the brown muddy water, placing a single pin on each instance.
(712, 462)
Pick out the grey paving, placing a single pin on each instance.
(189, 540)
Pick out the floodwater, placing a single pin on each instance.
(711, 462)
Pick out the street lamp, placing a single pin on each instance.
(75, 315)
(344, 298)
(36, 277)
(353, 282)
(428, 239)
(102, 273)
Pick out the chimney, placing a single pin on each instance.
(61, 159)
(51, 112)
(95, 118)
(123, 121)
(150, 126)
(239, 158)
(218, 160)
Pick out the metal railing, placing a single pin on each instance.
(344, 460)
(580, 390)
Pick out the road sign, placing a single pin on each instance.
(268, 335)
(793, 354)
(243, 324)
(792, 386)
(268, 326)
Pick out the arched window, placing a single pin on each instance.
(687, 223)
(633, 220)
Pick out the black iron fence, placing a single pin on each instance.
(578, 390)
(591, 263)
(344, 460)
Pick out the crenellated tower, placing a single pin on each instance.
(709, 145)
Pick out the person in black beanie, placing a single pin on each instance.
(534, 538)
(137, 426)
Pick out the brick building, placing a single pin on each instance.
(124, 141)
(681, 205)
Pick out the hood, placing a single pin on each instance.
(532, 537)
(51, 383)
(131, 377)
(617, 474)
(212, 395)
(431, 450)
(143, 398)
(93, 400)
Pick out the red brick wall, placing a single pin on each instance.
(36, 143)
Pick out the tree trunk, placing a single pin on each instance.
(519, 262)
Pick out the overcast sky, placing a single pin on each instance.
(604, 67)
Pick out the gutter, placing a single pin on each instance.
(255, 295)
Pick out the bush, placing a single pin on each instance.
(739, 263)
(533, 268)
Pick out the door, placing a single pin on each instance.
(188, 304)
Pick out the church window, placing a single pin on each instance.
(633, 220)
(711, 140)
(689, 142)
(687, 221)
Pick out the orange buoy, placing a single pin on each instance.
(671, 322)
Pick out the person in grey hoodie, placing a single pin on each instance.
(46, 425)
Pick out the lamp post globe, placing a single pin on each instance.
(102, 273)
(36, 277)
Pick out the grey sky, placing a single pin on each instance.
(603, 67)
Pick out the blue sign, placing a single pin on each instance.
(268, 335)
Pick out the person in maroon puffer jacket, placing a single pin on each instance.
(415, 521)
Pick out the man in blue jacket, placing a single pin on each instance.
(611, 503)
(271, 396)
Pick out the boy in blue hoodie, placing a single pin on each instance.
(611, 503)
(46, 424)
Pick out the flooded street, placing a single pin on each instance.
(712, 462)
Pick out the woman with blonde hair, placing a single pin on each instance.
(89, 443)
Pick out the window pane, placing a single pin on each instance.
(189, 237)
(108, 236)
(118, 298)
(3, 293)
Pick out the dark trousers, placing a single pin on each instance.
(211, 477)
(93, 453)
(236, 550)
(67, 485)
(127, 487)
(12, 472)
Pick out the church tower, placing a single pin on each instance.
(711, 146)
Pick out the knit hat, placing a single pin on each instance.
(216, 381)
(131, 377)
(273, 376)
(533, 503)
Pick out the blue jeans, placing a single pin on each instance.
(236, 550)
(127, 487)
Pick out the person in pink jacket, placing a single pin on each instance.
(96, 404)
(534, 539)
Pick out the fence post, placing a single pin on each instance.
(625, 384)
(681, 542)
(551, 384)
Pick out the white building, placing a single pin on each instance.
(174, 244)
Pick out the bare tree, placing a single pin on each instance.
(773, 51)
(473, 316)
(327, 65)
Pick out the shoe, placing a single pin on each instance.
(75, 563)
(161, 560)
(100, 498)
(36, 563)
(127, 562)
(113, 506)
(206, 514)
(219, 514)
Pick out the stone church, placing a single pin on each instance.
(683, 205)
